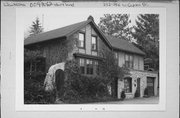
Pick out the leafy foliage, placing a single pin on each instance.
(36, 27)
(147, 35)
(31, 55)
(109, 67)
(116, 25)
(79, 87)
(34, 92)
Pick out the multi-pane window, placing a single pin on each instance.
(128, 61)
(81, 42)
(94, 43)
(128, 85)
(82, 65)
(89, 67)
(96, 66)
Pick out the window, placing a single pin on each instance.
(94, 43)
(128, 61)
(96, 66)
(81, 42)
(116, 57)
(89, 65)
(128, 85)
(82, 66)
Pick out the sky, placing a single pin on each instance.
(56, 18)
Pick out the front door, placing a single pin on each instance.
(138, 87)
(150, 86)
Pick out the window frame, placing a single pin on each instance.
(129, 61)
(116, 56)
(90, 70)
(84, 45)
(95, 42)
(81, 66)
(129, 79)
(89, 67)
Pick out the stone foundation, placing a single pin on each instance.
(135, 74)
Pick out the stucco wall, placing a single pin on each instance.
(143, 83)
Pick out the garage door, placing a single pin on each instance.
(150, 86)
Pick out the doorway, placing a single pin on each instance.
(138, 90)
(150, 86)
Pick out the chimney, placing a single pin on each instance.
(90, 18)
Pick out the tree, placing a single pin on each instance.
(30, 56)
(116, 25)
(36, 27)
(146, 32)
(110, 70)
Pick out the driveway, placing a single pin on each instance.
(150, 100)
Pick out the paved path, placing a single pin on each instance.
(150, 100)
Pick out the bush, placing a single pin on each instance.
(123, 95)
(37, 75)
(85, 87)
(79, 87)
(34, 92)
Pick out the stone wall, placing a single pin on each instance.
(135, 74)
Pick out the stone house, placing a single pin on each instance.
(84, 42)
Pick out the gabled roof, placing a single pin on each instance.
(121, 44)
(112, 42)
(57, 33)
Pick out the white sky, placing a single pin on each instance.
(59, 17)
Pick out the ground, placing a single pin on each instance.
(149, 100)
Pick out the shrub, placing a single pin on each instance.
(34, 92)
(79, 87)
(123, 95)
(36, 75)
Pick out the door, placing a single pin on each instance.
(150, 86)
(138, 87)
(114, 87)
(59, 81)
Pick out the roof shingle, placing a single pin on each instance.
(57, 33)
(124, 45)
